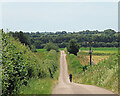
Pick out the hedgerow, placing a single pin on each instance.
(19, 64)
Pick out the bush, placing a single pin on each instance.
(49, 46)
(19, 65)
(73, 47)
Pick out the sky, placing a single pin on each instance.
(59, 16)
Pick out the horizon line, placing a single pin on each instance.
(7, 30)
(59, 1)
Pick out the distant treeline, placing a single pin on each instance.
(106, 38)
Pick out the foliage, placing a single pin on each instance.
(49, 61)
(73, 47)
(102, 74)
(37, 86)
(106, 38)
(49, 46)
(23, 38)
(20, 64)
(74, 65)
(44, 85)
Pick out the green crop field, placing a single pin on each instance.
(61, 48)
(100, 50)
(40, 50)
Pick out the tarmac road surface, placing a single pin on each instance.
(64, 85)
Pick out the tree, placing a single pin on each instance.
(50, 46)
(23, 38)
(73, 47)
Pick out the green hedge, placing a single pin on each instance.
(19, 65)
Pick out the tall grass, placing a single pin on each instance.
(47, 59)
(74, 65)
(25, 72)
(104, 74)
(38, 86)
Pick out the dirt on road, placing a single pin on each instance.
(64, 85)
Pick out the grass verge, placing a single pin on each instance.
(38, 86)
(48, 59)
(103, 74)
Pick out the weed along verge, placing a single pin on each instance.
(44, 85)
(58, 62)
(103, 73)
(56, 48)
(25, 71)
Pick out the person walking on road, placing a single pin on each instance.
(70, 76)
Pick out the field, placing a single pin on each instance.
(41, 50)
(85, 59)
(102, 73)
(100, 48)
(109, 50)
(98, 54)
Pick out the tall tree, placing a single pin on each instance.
(49, 46)
(73, 47)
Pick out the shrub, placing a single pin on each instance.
(19, 64)
(73, 47)
(49, 46)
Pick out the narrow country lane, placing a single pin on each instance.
(64, 86)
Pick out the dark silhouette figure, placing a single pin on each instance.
(70, 77)
(51, 75)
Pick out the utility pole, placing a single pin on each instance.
(90, 52)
